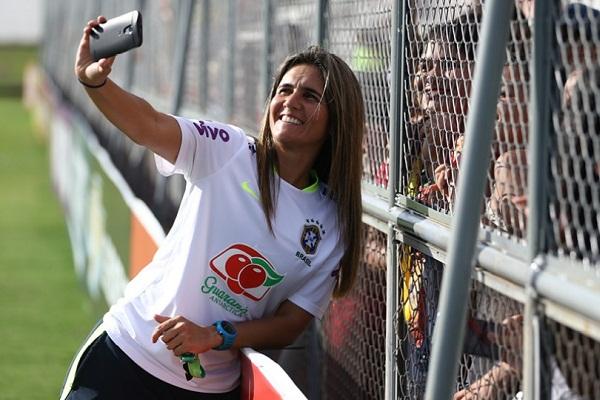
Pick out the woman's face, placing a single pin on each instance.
(298, 118)
(443, 80)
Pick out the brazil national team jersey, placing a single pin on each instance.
(220, 261)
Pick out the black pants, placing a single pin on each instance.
(104, 371)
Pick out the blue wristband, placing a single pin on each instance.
(227, 332)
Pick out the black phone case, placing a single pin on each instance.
(117, 35)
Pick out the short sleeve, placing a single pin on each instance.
(205, 147)
(315, 295)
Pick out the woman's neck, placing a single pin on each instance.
(295, 171)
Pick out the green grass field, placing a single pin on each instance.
(11, 67)
(44, 311)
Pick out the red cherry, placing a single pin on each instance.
(252, 276)
(234, 286)
(234, 265)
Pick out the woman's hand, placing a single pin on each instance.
(498, 381)
(276, 331)
(183, 336)
(445, 177)
(88, 70)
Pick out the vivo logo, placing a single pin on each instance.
(211, 132)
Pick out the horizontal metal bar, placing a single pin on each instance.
(568, 284)
(563, 282)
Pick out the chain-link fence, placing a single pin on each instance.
(532, 315)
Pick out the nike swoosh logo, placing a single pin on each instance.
(248, 189)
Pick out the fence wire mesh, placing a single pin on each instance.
(194, 94)
(217, 61)
(571, 363)
(360, 32)
(420, 280)
(575, 150)
(439, 60)
(248, 93)
(440, 57)
(354, 330)
(294, 28)
(154, 73)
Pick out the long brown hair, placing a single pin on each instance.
(339, 163)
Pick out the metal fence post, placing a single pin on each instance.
(537, 176)
(396, 104)
(204, 54)
(184, 18)
(267, 68)
(322, 19)
(449, 330)
(391, 341)
(539, 127)
(230, 71)
(397, 78)
(130, 66)
(185, 13)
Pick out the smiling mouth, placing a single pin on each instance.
(290, 120)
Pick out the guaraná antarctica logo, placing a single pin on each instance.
(245, 271)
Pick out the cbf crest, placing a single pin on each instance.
(311, 236)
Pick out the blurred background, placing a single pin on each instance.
(44, 310)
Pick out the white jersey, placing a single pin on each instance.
(220, 261)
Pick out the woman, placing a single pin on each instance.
(265, 232)
(441, 84)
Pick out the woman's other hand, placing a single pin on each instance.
(183, 336)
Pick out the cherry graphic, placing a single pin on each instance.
(252, 276)
(234, 286)
(234, 265)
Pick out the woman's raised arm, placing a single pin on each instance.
(133, 115)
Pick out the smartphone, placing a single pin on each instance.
(117, 35)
